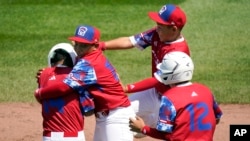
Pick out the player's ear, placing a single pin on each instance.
(73, 43)
(174, 28)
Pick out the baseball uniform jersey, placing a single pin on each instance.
(95, 73)
(187, 112)
(61, 114)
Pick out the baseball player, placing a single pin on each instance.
(62, 118)
(163, 38)
(94, 73)
(188, 111)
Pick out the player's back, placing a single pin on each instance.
(63, 113)
(195, 118)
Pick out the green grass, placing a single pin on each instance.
(217, 32)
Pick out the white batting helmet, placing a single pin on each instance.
(175, 67)
(64, 46)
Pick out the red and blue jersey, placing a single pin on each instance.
(60, 114)
(186, 113)
(159, 49)
(96, 74)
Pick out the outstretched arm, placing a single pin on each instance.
(141, 85)
(118, 43)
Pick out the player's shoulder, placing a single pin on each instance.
(147, 34)
(63, 70)
(48, 70)
(196, 84)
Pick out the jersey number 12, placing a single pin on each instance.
(200, 125)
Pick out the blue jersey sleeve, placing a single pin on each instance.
(167, 115)
(144, 39)
(81, 77)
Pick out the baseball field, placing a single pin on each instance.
(217, 32)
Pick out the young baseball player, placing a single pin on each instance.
(188, 111)
(62, 118)
(94, 73)
(163, 38)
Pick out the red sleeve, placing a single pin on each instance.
(152, 132)
(142, 85)
(102, 46)
(43, 76)
(55, 90)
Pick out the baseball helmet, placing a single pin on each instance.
(63, 48)
(175, 67)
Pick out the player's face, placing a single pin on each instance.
(165, 32)
(81, 48)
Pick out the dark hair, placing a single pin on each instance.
(60, 54)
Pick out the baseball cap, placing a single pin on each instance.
(86, 34)
(169, 15)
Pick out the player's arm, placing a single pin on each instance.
(217, 111)
(137, 124)
(141, 85)
(38, 74)
(141, 40)
(54, 90)
(165, 123)
(154, 133)
(118, 43)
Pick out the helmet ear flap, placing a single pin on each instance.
(162, 77)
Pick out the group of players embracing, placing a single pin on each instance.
(80, 81)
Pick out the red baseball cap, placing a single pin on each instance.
(169, 15)
(86, 34)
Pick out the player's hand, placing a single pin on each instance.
(136, 124)
(38, 73)
(124, 87)
(217, 121)
(38, 96)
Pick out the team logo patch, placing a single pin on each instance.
(163, 9)
(82, 31)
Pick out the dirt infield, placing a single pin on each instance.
(23, 122)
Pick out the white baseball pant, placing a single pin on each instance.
(115, 125)
(59, 136)
(146, 104)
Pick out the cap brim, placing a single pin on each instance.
(155, 17)
(81, 40)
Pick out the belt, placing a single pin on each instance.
(65, 134)
(102, 114)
